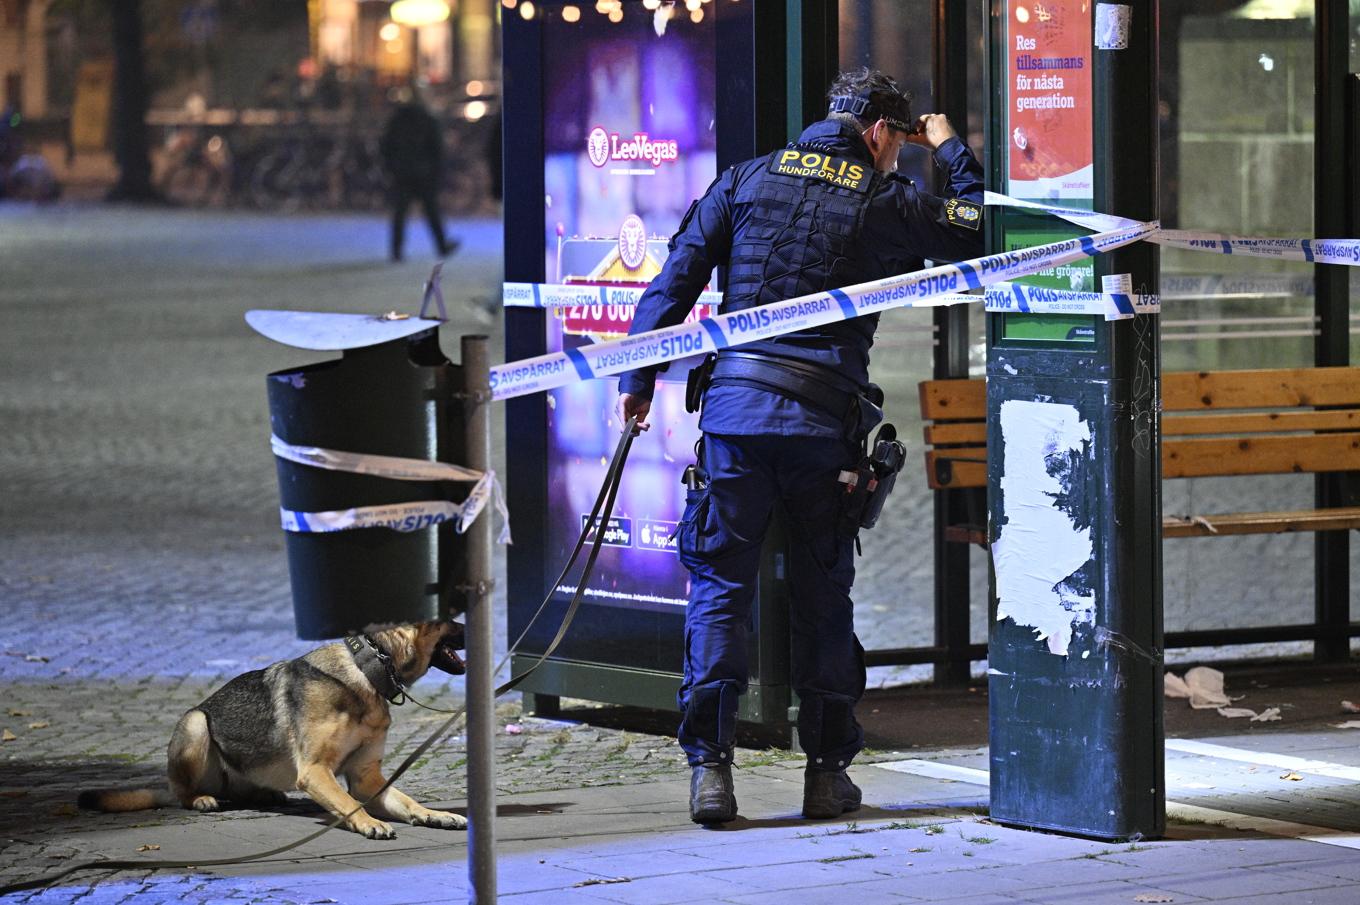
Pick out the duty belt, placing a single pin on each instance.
(808, 383)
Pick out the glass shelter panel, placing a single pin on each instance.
(1237, 158)
(894, 584)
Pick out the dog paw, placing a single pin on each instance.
(444, 820)
(205, 804)
(375, 830)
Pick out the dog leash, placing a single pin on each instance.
(603, 501)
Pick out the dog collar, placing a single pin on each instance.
(377, 667)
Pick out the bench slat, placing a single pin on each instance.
(970, 432)
(1200, 457)
(967, 467)
(944, 400)
(1341, 519)
(1182, 425)
(1248, 422)
(1197, 457)
(1271, 388)
(1344, 519)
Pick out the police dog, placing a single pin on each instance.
(300, 724)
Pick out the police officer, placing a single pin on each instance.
(783, 417)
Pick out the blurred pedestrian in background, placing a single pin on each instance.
(412, 149)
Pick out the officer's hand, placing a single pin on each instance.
(932, 130)
(635, 406)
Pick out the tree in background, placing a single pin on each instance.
(130, 148)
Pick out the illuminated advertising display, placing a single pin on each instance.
(1049, 149)
(629, 142)
(1049, 83)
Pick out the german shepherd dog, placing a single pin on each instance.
(300, 724)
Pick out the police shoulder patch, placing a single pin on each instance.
(963, 213)
(810, 164)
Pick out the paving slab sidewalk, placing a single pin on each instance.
(918, 839)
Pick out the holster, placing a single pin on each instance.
(867, 485)
(700, 376)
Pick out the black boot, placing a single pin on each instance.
(711, 799)
(828, 793)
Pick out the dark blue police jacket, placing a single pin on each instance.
(812, 217)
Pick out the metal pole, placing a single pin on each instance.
(1331, 558)
(952, 577)
(481, 714)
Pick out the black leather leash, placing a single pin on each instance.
(604, 501)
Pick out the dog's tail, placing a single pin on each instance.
(116, 800)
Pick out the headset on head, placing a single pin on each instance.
(861, 105)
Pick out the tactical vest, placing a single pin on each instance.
(807, 207)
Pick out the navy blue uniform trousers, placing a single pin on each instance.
(720, 539)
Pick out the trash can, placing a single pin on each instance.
(393, 393)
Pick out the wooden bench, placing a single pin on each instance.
(1214, 423)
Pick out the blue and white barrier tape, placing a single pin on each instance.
(1088, 219)
(1016, 297)
(1311, 251)
(413, 516)
(935, 286)
(568, 295)
(398, 517)
(920, 289)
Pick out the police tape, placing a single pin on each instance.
(1312, 251)
(571, 295)
(411, 516)
(1022, 299)
(931, 287)
(935, 286)
(402, 517)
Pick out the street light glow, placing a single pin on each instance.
(417, 13)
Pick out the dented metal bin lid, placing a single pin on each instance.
(324, 332)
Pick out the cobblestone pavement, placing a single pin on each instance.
(141, 566)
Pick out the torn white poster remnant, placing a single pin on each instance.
(1040, 546)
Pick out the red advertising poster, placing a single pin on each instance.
(1048, 89)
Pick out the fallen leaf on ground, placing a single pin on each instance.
(8, 736)
(1236, 713)
(148, 848)
(1348, 707)
(65, 810)
(1292, 777)
(41, 724)
(1269, 715)
(1153, 897)
(599, 881)
(14, 711)
(1349, 724)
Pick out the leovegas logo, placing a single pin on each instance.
(597, 146)
(602, 147)
(632, 242)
